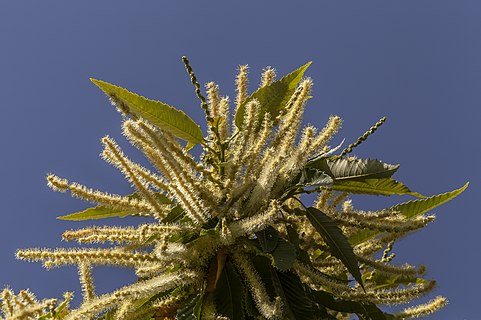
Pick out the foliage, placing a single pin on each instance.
(229, 235)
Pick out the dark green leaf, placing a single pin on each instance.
(263, 267)
(250, 306)
(229, 294)
(310, 177)
(364, 310)
(335, 239)
(274, 97)
(384, 187)
(296, 304)
(186, 311)
(284, 255)
(268, 239)
(211, 223)
(354, 169)
(293, 236)
(160, 114)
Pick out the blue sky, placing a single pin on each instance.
(416, 62)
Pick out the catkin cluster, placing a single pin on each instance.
(207, 216)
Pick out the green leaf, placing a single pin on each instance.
(365, 176)
(415, 208)
(95, 213)
(198, 307)
(293, 236)
(274, 97)
(102, 212)
(368, 310)
(310, 177)
(263, 267)
(335, 239)
(158, 113)
(410, 210)
(186, 311)
(284, 255)
(60, 312)
(109, 315)
(268, 239)
(383, 281)
(250, 306)
(296, 303)
(176, 214)
(384, 187)
(229, 294)
(354, 169)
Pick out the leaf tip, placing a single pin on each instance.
(102, 85)
(305, 66)
(95, 81)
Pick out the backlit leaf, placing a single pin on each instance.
(95, 213)
(274, 97)
(410, 210)
(102, 212)
(384, 187)
(383, 281)
(158, 113)
(176, 214)
(415, 208)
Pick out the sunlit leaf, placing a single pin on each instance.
(415, 208)
(410, 210)
(176, 214)
(95, 213)
(383, 281)
(274, 97)
(102, 212)
(384, 187)
(158, 113)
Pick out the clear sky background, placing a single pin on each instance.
(416, 62)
